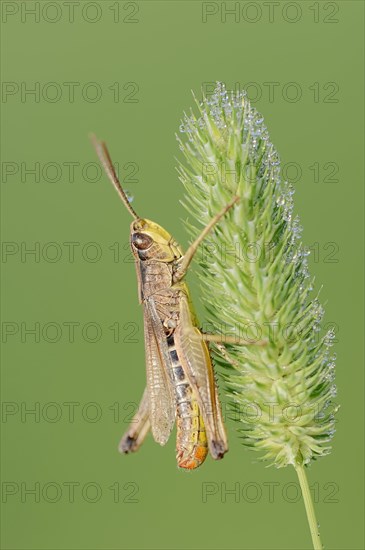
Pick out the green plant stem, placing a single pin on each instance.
(309, 508)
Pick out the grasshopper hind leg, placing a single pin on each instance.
(138, 428)
(191, 437)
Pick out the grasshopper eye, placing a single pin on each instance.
(141, 241)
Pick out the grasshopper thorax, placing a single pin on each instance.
(150, 241)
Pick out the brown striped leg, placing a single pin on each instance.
(138, 428)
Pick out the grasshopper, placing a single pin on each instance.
(180, 378)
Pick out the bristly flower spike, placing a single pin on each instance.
(255, 283)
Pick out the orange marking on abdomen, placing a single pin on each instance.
(191, 441)
(195, 460)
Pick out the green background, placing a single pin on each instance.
(167, 51)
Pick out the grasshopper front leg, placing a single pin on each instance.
(138, 428)
(185, 261)
(225, 339)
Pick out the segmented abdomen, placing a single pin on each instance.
(191, 440)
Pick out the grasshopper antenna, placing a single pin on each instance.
(104, 157)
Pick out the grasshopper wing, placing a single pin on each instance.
(162, 408)
(195, 360)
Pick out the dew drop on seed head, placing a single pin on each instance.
(129, 195)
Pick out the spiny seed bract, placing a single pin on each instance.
(255, 282)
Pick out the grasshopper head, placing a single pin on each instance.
(150, 241)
